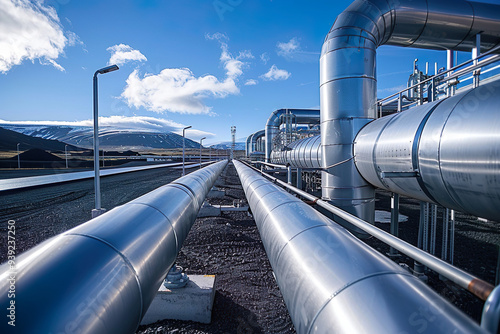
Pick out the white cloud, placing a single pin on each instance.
(275, 73)
(265, 58)
(251, 82)
(121, 53)
(286, 49)
(30, 30)
(179, 90)
(292, 51)
(132, 123)
(175, 90)
(233, 65)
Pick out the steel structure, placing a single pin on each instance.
(302, 116)
(348, 82)
(252, 141)
(332, 282)
(101, 276)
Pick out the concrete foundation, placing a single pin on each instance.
(193, 302)
(216, 193)
(208, 210)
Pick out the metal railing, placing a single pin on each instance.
(443, 80)
(478, 287)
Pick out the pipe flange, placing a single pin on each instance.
(176, 278)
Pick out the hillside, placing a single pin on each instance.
(9, 140)
(109, 138)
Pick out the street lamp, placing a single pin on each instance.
(97, 185)
(201, 141)
(18, 157)
(184, 148)
(66, 154)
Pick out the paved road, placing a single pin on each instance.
(42, 180)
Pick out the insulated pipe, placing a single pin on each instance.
(247, 146)
(348, 83)
(303, 153)
(253, 140)
(334, 283)
(302, 116)
(101, 276)
(446, 152)
(476, 286)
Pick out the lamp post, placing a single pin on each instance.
(66, 154)
(97, 185)
(184, 148)
(18, 157)
(201, 141)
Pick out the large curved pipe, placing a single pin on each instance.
(253, 140)
(247, 146)
(302, 116)
(101, 276)
(446, 152)
(334, 283)
(303, 153)
(348, 83)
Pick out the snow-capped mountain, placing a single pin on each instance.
(109, 138)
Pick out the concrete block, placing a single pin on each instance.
(216, 193)
(193, 302)
(208, 210)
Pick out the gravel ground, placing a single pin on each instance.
(247, 298)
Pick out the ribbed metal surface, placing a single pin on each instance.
(453, 144)
(253, 140)
(247, 146)
(304, 153)
(101, 276)
(302, 116)
(348, 81)
(332, 282)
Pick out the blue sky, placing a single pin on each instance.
(209, 64)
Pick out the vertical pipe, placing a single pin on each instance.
(433, 228)
(446, 232)
(289, 174)
(394, 220)
(475, 53)
(452, 235)
(299, 178)
(450, 61)
(421, 226)
(426, 227)
(476, 50)
(97, 183)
